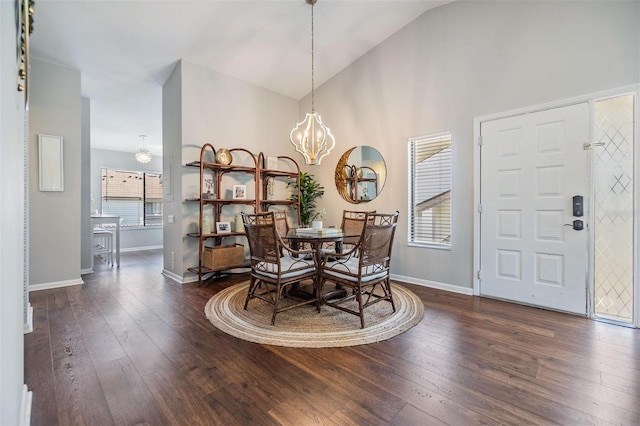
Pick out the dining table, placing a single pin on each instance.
(316, 238)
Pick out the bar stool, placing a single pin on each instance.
(103, 244)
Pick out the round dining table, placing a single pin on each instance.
(316, 238)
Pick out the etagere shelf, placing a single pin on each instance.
(288, 172)
(213, 256)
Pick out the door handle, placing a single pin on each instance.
(577, 225)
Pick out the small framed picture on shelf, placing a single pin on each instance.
(223, 227)
(272, 163)
(239, 192)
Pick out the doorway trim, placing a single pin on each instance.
(590, 99)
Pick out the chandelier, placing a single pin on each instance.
(143, 155)
(311, 137)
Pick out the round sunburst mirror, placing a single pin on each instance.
(360, 174)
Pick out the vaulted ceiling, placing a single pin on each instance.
(125, 50)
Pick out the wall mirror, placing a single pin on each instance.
(50, 163)
(360, 174)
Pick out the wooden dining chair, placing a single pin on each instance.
(365, 268)
(352, 226)
(272, 272)
(282, 223)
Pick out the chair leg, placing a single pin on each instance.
(318, 287)
(275, 304)
(360, 307)
(250, 292)
(388, 285)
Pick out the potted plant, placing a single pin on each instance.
(310, 191)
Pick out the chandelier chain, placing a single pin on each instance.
(313, 110)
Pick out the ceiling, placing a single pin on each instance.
(125, 50)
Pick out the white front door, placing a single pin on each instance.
(531, 167)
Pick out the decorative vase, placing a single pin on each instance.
(316, 224)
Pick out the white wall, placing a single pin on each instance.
(130, 239)
(11, 225)
(227, 113)
(455, 63)
(54, 217)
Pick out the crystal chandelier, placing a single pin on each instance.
(143, 155)
(311, 137)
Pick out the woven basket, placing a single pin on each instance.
(223, 257)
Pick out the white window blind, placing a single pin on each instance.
(430, 190)
(134, 196)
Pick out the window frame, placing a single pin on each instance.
(104, 171)
(432, 138)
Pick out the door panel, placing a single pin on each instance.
(531, 167)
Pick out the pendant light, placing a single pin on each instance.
(311, 137)
(143, 155)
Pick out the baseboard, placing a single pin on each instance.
(175, 277)
(433, 284)
(86, 271)
(124, 250)
(28, 326)
(57, 284)
(25, 406)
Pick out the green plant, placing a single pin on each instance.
(310, 191)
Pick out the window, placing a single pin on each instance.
(134, 196)
(430, 190)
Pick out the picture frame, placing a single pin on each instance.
(223, 227)
(272, 163)
(50, 163)
(239, 192)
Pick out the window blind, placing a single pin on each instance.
(129, 194)
(430, 188)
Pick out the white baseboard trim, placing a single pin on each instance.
(57, 284)
(175, 277)
(25, 406)
(124, 250)
(433, 284)
(86, 271)
(28, 326)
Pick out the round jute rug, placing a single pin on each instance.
(304, 327)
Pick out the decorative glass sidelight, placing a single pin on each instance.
(613, 208)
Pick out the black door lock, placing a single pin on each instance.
(578, 206)
(578, 225)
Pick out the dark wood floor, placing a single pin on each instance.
(132, 347)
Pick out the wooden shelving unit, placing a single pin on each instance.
(288, 172)
(212, 175)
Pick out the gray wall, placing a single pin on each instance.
(227, 113)
(11, 224)
(454, 63)
(54, 217)
(86, 261)
(131, 239)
